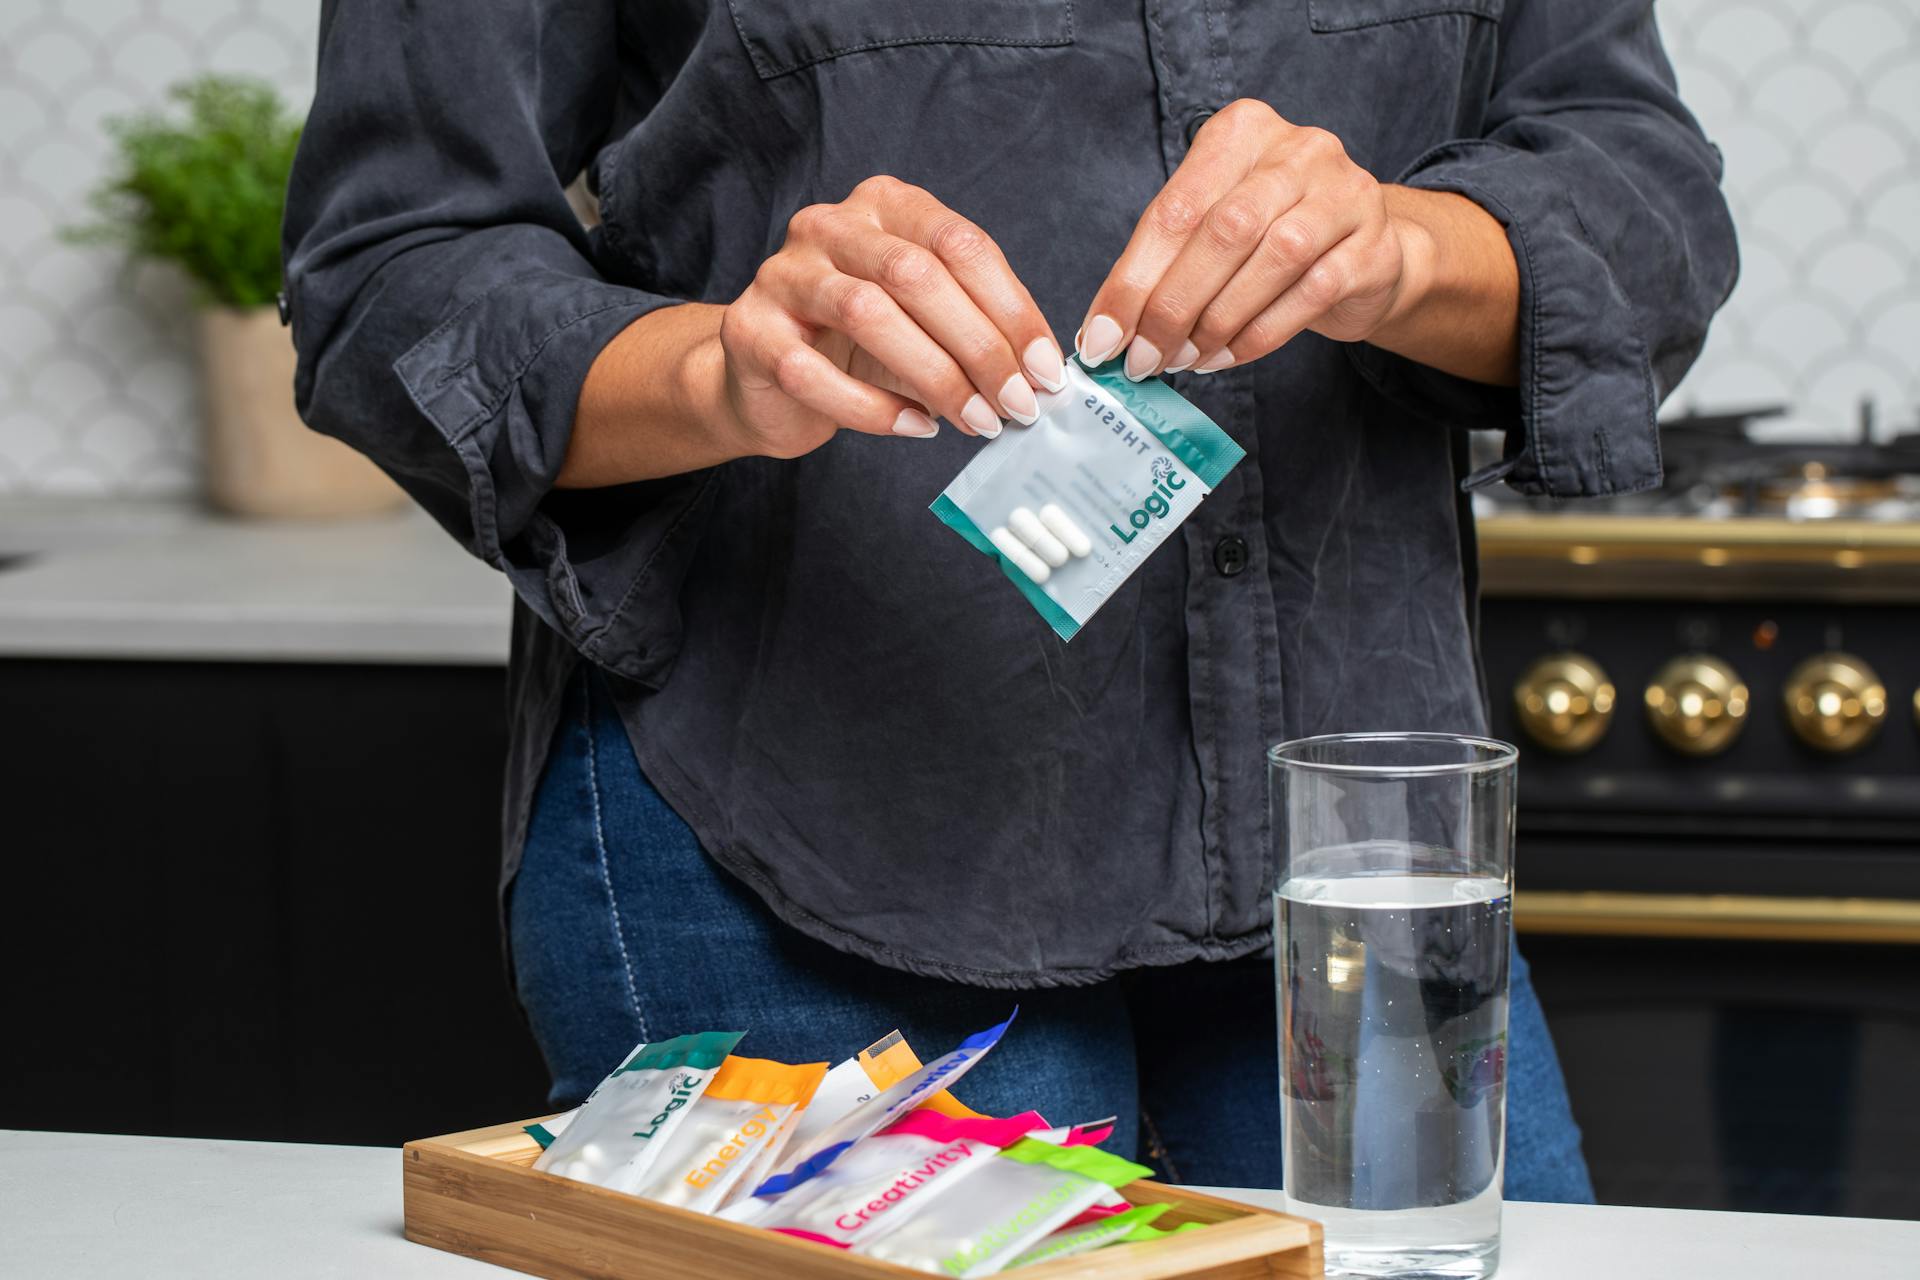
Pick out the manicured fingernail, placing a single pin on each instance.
(1215, 362)
(1100, 340)
(1017, 399)
(912, 422)
(1185, 356)
(980, 416)
(1142, 359)
(1044, 364)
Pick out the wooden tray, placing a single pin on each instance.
(476, 1193)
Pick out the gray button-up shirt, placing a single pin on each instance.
(852, 707)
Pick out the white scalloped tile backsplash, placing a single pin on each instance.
(1816, 105)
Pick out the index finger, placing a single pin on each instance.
(1170, 220)
(977, 264)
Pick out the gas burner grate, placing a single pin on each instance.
(1715, 469)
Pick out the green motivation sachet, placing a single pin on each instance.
(1028, 1191)
(1130, 1226)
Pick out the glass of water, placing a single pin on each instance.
(1392, 929)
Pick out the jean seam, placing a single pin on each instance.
(606, 870)
(1156, 1147)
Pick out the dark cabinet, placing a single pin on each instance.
(255, 901)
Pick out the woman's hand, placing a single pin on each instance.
(1268, 229)
(877, 313)
(876, 310)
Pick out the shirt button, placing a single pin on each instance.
(1230, 556)
(1195, 120)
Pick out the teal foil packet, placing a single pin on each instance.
(1072, 505)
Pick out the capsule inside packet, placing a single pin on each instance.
(1070, 506)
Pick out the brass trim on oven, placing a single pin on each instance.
(1845, 544)
(1697, 915)
(1688, 558)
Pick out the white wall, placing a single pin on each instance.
(97, 391)
(1816, 103)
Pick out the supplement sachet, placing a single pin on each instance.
(1072, 505)
(1018, 1198)
(850, 1083)
(620, 1130)
(737, 1128)
(880, 1110)
(883, 1180)
(886, 1061)
(1129, 1226)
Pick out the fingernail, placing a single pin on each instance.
(1215, 362)
(1185, 356)
(1017, 398)
(1100, 340)
(912, 422)
(978, 415)
(1142, 359)
(1044, 363)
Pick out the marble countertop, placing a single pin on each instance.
(86, 1205)
(176, 581)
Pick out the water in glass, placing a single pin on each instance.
(1393, 1015)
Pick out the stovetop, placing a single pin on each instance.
(1717, 470)
(1737, 518)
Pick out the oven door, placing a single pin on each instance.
(1737, 1052)
(1723, 918)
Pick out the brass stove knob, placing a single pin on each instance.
(1697, 704)
(1835, 702)
(1565, 702)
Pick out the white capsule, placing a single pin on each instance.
(1062, 526)
(1026, 526)
(1023, 560)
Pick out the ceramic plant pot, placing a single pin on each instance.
(261, 459)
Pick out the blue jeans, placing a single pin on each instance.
(623, 930)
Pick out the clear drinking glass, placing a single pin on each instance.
(1392, 928)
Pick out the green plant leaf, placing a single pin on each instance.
(203, 186)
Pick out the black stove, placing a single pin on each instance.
(1739, 647)
(1716, 690)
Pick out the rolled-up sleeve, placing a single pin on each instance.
(446, 304)
(1610, 195)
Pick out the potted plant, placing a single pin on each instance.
(204, 188)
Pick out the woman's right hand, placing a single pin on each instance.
(876, 313)
(877, 310)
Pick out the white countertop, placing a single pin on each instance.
(85, 1205)
(175, 581)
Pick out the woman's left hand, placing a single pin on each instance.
(1266, 229)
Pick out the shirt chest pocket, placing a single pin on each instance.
(1352, 15)
(783, 36)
